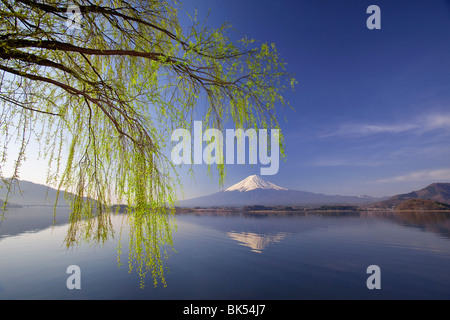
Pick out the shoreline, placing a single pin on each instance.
(296, 211)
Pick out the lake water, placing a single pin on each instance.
(237, 256)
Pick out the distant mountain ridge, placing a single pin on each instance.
(439, 192)
(422, 204)
(26, 193)
(251, 191)
(256, 191)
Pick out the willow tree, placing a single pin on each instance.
(101, 91)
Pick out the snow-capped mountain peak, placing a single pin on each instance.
(254, 182)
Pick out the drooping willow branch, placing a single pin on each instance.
(110, 93)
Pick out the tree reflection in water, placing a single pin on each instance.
(150, 232)
(149, 236)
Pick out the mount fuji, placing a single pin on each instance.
(254, 190)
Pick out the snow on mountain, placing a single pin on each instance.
(254, 182)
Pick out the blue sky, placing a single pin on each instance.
(372, 107)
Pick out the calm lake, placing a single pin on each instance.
(237, 256)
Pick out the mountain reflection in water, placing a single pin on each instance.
(256, 242)
(429, 221)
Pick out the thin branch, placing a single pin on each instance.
(72, 91)
(19, 104)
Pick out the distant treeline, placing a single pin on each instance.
(290, 208)
(339, 208)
